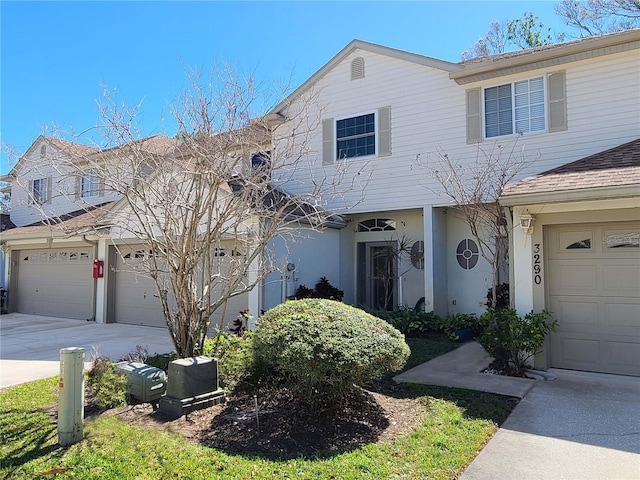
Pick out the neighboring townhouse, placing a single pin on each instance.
(381, 109)
(69, 216)
(60, 205)
(376, 121)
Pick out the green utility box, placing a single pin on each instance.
(145, 384)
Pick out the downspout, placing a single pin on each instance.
(95, 280)
(508, 213)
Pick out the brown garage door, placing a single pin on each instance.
(56, 282)
(136, 300)
(594, 292)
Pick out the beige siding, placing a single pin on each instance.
(428, 114)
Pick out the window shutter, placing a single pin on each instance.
(78, 186)
(384, 131)
(100, 187)
(557, 102)
(474, 120)
(32, 199)
(328, 143)
(49, 182)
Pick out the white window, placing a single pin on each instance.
(364, 135)
(89, 185)
(356, 136)
(39, 190)
(517, 107)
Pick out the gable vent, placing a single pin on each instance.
(357, 68)
(43, 151)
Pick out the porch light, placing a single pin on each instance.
(526, 223)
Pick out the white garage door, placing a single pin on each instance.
(56, 282)
(136, 298)
(594, 292)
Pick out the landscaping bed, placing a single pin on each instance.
(398, 431)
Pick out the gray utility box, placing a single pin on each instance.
(146, 384)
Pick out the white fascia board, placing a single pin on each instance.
(564, 196)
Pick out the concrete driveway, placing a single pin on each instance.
(30, 345)
(580, 426)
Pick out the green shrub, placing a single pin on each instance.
(161, 360)
(513, 339)
(106, 385)
(322, 348)
(235, 357)
(323, 289)
(448, 325)
(410, 321)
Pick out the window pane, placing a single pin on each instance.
(356, 136)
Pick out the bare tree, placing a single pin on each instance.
(597, 17)
(474, 188)
(206, 204)
(520, 33)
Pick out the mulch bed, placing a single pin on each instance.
(285, 429)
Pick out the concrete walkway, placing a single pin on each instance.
(30, 344)
(579, 426)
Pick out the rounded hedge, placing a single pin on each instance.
(325, 347)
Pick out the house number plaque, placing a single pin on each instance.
(537, 264)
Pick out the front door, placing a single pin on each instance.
(377, 275)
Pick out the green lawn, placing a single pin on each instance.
(457, 425)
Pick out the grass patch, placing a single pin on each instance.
(458, 423)
(425, 349)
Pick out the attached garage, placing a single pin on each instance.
(55, 282)
(594, 292)
(578, 256)
(136, 299)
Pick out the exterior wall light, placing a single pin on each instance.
(526, 223)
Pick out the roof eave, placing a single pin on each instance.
(557, 55)
(563, 196)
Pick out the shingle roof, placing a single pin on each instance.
(74, 223)
(615, 167)
(71, 148)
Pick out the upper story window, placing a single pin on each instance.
(533, 105)
(515, 108)
(90, 185)
(40, 190)
(356, 136)
(363, 135)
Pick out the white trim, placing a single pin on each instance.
(514, 133)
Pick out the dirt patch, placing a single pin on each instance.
(285, 429)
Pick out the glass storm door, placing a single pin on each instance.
(377, 275)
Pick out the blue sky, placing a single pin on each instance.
(56, 55)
